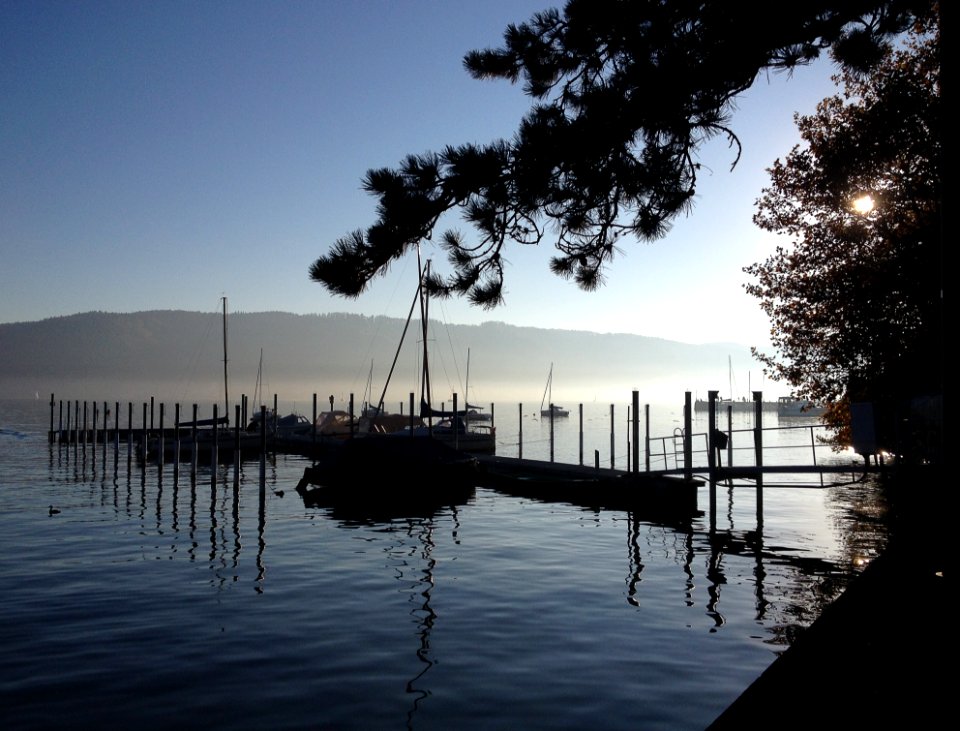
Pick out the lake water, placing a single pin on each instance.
(141, 598)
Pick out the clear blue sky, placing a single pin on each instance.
(160, 155)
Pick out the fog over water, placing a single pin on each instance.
(179, 356)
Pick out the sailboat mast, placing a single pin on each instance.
(425, 392)
(257, 394)
(548, 389)
(730, 375)
(226, 391)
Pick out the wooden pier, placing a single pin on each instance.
(672, 488)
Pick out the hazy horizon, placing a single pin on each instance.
(177, 356)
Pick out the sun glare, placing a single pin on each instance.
(863, 205)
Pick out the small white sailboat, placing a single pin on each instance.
(551, 410)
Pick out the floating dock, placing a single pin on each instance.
(591, 487)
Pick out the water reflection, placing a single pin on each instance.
(423, 611)
(165, 503)
(361, 504)
(635, 557)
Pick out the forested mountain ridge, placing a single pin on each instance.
(179, 354)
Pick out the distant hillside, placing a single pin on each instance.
(177, 355)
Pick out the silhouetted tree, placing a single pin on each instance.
(855, 299)
(625, 92)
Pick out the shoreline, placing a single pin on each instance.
(878, 653)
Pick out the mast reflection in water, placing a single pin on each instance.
(232, 603)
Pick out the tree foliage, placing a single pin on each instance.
(624, 94)
(855, 299)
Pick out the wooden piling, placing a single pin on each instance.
(214, 451)
(758, 451)
(687, 437)
(520, 432)
(646, 437)
(160, 437)
(176, 439)
(612, 440)
(263, 448)
(193, 449)
(236, 450)
(580, 431)
(712, 455)
(551, 430)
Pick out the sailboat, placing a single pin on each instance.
(551, 410)
(201, 436)
(292, 426)
(451, 426)
(473, 413)
(429, 462)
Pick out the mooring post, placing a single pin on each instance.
(758, 452)
(711, 455)
(143, 439)
(214, 448)
(687, 437)
(629, 450)
(193, 445)
(263, 447)
(520, 431)
(151, 412)
(412, 417)
(130, 431)
(60, 423)
(236, 449)
(162, 439)
(455, 420)
(551, 431)
(176, 439)
(579, 432)
(116, 427)
(86, 428)
(313, 429)
(636, 431)
(646, 438)
(93, 435)
(729, 438)
(612, 438)
(105, 436)
(351, 415)
(51, 418)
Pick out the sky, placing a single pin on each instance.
(163, 155)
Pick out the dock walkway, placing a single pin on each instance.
(590, 487)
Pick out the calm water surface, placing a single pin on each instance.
(148, 599)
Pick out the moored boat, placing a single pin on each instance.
(377, 472)
(552, 410)
(454, 432)
(788, 406)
